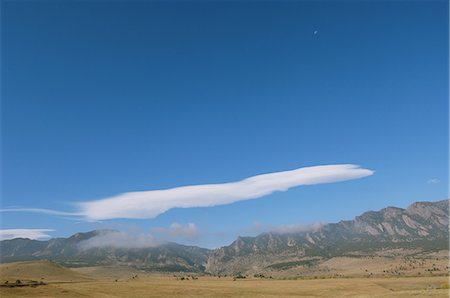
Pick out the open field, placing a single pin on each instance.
(118, 282)
(214, 287)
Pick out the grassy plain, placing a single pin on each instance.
(213, 287)
(101, 282)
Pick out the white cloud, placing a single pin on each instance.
(433, 181)
(24, 233)
(149, 204)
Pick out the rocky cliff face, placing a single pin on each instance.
(422, 226)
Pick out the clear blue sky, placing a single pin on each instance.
(101, 98)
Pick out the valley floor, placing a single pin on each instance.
(165, 286)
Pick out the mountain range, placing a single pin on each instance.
(423, 227)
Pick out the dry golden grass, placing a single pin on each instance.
(385, 266)
(158, 286)
(39, 270)
(109, 272)
(102, 283)
(389, 264)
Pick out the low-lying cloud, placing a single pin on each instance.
(258, 228)
(140, 239)
(24, 233)
(117, 239)
(297, 228)
(149, 204)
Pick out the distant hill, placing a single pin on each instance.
(43, 270)
(422, 228)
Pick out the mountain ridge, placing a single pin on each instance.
(422, 226)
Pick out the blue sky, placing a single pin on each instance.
(102, 98)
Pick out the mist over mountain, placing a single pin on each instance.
(422, 227)
(95, 249)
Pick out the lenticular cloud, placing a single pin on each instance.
(149, 204)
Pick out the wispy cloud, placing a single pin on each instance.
(43, 211)
(297, 228)
(117, 239)
(433, 181)
(136, 238)
(149, 204)
(259, 227)
(24, 233)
